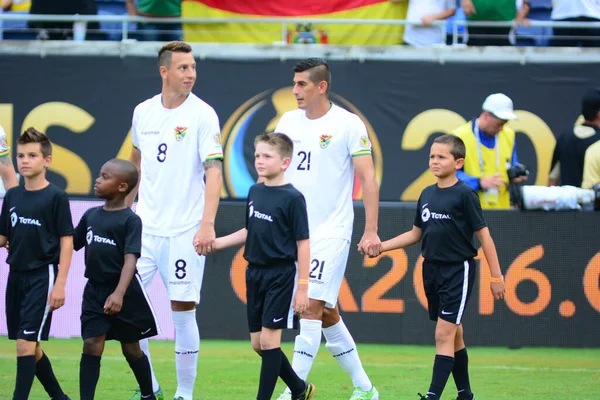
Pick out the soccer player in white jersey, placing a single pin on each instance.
(330, 143)
(7, 169)
(177, 144)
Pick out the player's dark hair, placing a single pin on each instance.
(590, 105)
(31, 135)
(457, 146)
(281, 141)
(165, 54)
(318, 70)
(128, 172)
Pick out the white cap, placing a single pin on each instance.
(500, 105)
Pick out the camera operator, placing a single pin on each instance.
(491, 161)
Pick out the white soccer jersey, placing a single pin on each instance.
(322, 166)
(174, 144)
(575, 8)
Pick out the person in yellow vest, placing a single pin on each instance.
(16, 5)
(491, 151)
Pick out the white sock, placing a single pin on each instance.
(342, 347)
(145, 346)
(187, 344)
(306, 347)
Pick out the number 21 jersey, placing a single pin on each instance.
(322, 168)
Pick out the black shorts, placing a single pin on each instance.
(135, 321)
(28, 314)
(448, 288)
(270, 292)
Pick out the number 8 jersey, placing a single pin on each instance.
(322, 168)
(174, 143)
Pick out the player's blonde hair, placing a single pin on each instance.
(281, 142)
(165, 54)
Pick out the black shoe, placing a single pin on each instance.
(423, 397)
(469, 397)
(308, 392)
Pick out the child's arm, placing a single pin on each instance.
(3, 240)
(57, 296)
(233, 239)
(489, 250)
(114, 302)
(301, 298)
(404, 240)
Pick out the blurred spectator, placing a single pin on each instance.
(591, 166)
(571, 146)
(156, 9)
(16, 5)
(494, 10)
(425, 12)
(576, 11)
(491, 152)
(64, 30)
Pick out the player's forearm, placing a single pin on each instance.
(212, 193)
(130, 198)
(66, 252)
(136, 159)
(234, 239)
(489, 250)
(443, 15)
(371, 202)
(7, 172)
(126, 273)
(401, 241)
(303, 259)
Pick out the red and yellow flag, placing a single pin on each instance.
(267, 33)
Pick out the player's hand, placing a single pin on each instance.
(489, 182)
(468, 8)
(113, 304)
(204, 240)
(301, 301)
(427, 20)
(370, 244)
(498, 290)
(57, 297)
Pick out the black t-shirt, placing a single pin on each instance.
(570, 151)
(448, 218)
(107, 237)
(34, 221)
(275, 219)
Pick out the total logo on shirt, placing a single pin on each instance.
(90, 237)
(257, 214)
(14, 218)
(426, 215)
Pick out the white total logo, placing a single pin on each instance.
(251, 209)
(426, 215)
(89, 236)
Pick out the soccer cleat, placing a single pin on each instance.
(178, 398)
(423, 397)
(471, 397)
(138, 395)
(285, 396)
(360, 394)
(308, 392)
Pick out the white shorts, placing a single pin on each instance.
(327, 268)
(180, 267)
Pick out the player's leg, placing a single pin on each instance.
(277, 289)
(460, 371)
(182, 272)
(270, 349)
(89, 366)
(453, 285)
(339, 341)
(140, 366)
(146, 268)
(34, 321)
(134, 322)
